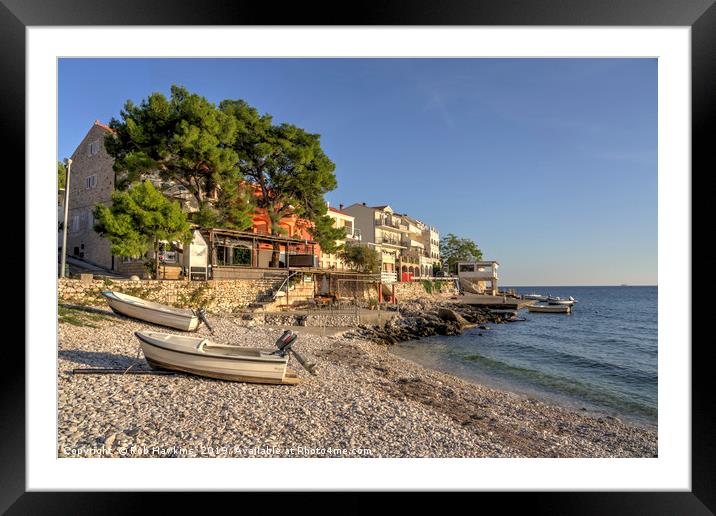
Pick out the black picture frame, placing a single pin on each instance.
(700, 15)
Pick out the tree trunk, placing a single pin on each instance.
(156, 258)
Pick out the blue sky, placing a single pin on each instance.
(550, 165)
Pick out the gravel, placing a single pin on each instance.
(365, 402)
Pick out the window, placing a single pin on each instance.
(467, 267)
(93, 148)
(75, 226)
(91, 181)
(237, 256)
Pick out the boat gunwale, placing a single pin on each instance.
(181, 312)
(279, 359)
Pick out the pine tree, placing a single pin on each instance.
(185, 139)
(289, 168)
(138, 219)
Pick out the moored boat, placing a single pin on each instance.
(550, 309)
(156, 313)
(202, 357)
(538, 297)
(559, 301)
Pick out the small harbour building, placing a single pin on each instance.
(479, 277)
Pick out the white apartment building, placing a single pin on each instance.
(340, 220)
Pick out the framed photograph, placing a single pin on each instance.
(532, 354)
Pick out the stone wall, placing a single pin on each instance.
(425, 289)
(217, 296)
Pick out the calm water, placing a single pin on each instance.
(602, 357)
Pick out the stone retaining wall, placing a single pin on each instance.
(424, 289)
(217, 296)
(315, 320)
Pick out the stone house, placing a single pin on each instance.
(92, 181)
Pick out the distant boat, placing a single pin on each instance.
(156, 313)
(550, 309)
(538, 297)
(202, 357)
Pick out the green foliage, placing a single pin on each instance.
(361, 258)
(77, 317)
(138, 218)
(437, 267)
(288, 166)
(199, 297)
(186, 139)
(454, 250)
(61, 175)
(428, 286)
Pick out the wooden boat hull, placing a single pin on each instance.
(550, 309)
(151, 312)
(231, 363)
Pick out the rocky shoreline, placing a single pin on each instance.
(365, 402)
(425, 318)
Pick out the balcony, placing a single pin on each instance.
(394, 242)
(354, 236)
(391, 224)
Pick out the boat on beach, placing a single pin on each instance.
(550, 309)
(156, 313)
(202, 357)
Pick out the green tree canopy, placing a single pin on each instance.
(361, 258)
(289, 168)
(454, 250)
(61, 175)
(138, 219)
(187, 140)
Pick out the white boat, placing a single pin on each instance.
(559, 301)
(202, 357)
(538, 297)
(550, 309)
(163, 315)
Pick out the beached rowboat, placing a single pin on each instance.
(550, 309)
(163, 315)
(200, 356)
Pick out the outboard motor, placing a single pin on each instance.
(285, 342)
(285, 346)
(201, 314)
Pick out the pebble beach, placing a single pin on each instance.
(364, 402)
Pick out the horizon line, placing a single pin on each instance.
(610, 285)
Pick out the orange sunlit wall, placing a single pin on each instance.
(293, 226)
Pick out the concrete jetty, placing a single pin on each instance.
(496, 302)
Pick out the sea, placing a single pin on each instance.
(601, 358)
